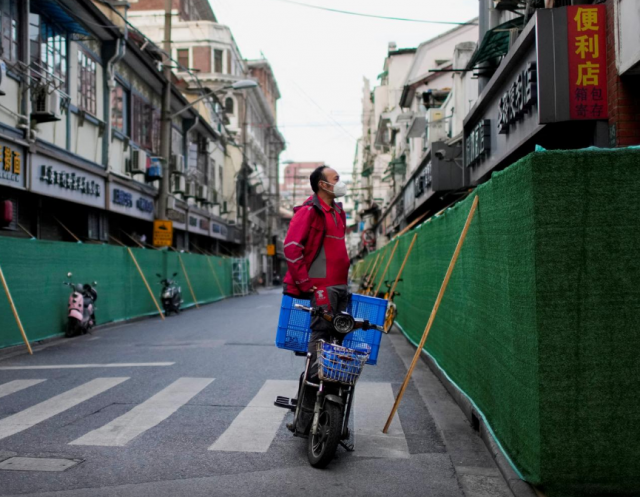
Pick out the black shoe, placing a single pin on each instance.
(291, 427)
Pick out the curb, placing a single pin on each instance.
(519, 487)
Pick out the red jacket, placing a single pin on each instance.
(303, 243)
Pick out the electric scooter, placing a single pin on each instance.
(323, 406)
(81, 309)
(171, 295)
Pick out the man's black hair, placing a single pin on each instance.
(316, 176)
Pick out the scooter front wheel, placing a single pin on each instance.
(322, 446)
(73, 327)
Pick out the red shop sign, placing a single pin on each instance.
(587, 61)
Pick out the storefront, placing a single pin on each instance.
(544, 93)
(132, 209)
(73, 199)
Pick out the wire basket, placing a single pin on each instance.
(340, 364)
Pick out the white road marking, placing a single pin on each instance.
(83, 366)
(16, 386)
(150, 413)
(372, 405)
(255, 427)
(55, 405)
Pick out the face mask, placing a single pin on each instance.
(339, 188)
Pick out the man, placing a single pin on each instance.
(316, 253)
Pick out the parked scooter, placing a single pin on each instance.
(81, 310)
(323, 406)
(171, 295)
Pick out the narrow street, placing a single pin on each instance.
(185, 407)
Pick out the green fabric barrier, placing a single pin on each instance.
(540, 323)
(35, 271)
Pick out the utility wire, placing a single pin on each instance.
(361, 14)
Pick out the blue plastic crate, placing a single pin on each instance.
(294, 332)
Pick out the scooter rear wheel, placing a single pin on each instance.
(322, 446)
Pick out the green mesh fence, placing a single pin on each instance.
(540, 323)
(35, 271)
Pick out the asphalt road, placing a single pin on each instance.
(185, 408)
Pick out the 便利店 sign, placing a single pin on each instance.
(587, 61)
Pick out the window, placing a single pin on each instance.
(228, 106)
(9, 26)
(48, 47)
(145, 125)
(183, 58)
(120, 108)
(86, 83)
(217, 54)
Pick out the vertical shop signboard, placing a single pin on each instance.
(587, 61)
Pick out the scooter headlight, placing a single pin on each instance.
(343, 323)
(166, 295)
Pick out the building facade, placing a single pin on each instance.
(80, 120)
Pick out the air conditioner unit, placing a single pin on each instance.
(212, 197)
(138, 162)
(178, 184)
(46, 106)
(225, 210)
(190, 191)
(171, 203)
(202, 192)
(436, 126)
(177, 164)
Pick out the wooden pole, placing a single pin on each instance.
(436, 306)
(117, 241)
(146, 283)
(133, 239)
(368, 272)
(373, 279)
(15, 312)
(67, 230)
(412, 224)
(384, 273)
(216, 277)
(25, 230)
(184, 269)
(404, 262)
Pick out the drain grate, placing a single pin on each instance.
(37, 464)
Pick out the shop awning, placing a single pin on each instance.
(59, 16)
(495, 43)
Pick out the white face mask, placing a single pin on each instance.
(339, 188)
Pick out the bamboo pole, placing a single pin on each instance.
(117, 241)
(25, 230)
(67, 230)
(184, 269)
(15, 312)
(368, 273)
(133, 239)
(216, 277)
(384, 273)
(412, 224)
(146, 283)
(404, 262)
(373, 280)
(436, 306)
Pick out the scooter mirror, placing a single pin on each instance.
(69, 275)
(175, 274)
(95, 283)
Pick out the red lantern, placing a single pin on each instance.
(6, 213)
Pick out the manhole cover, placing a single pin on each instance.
(37, 464)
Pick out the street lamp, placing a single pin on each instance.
(243, 84)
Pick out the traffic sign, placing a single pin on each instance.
(162, 233)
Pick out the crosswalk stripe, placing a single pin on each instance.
(372, 403)
(16, 386)
(84, 366)
(55, 405)
(255, 427)
(150, 413)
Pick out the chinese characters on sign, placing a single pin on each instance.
(518, 99)
(69, 181)
(587, 62)
(11, 165)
